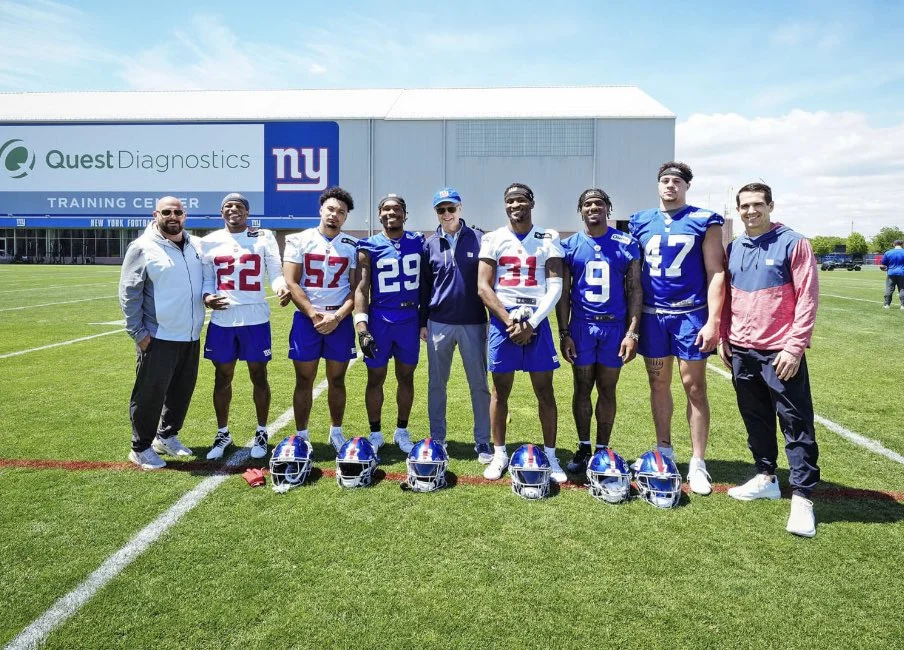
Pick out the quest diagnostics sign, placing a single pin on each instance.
(122, 169)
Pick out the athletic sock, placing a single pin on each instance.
(223, 429)
(375, 426)
(499, 451)
(335, 429)
(550, 451)
(261, 427)
(402, 424)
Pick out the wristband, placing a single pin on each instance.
(564, 334)
(632, 335)
(361, 318)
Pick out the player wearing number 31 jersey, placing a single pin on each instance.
(235, 260)
(519, 279)
(684, 287)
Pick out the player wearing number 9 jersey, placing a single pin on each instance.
(235, 260)
(598, 315)
(320, 268)
(386, 314)
(684, 288)
(519, 280)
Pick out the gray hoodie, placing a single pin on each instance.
(160, 288)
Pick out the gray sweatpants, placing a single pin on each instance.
(893, 282)
(472, 343)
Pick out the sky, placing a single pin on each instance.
(806, 96)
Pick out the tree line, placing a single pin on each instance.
(856, 243)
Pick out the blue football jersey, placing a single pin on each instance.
(598, 267)
(395, 269)
(674, 276)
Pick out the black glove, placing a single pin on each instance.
(367, 344)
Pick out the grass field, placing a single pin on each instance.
(467, 567)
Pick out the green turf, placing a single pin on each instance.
(471, 566)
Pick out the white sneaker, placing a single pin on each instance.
(171, 446)
(376, 439)
(886, 306)
(902, 307)
(761, 486)
(555, 471)
(220, 442)
(668, 452)
(403, 440)
(698, 478)
(484, 453)
(801, 521)
(496, 468)
(336, 439)
(259, 448)
(147, 459)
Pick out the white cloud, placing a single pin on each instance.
(210, 55)
(43, 43)
(826, 169)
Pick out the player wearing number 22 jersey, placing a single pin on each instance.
(236, 259)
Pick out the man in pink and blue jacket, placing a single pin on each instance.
(767, 322)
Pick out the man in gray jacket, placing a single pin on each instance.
(160, 295)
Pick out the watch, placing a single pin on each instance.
(564, 334)
(632, 335)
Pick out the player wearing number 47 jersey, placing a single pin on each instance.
(235, 259)
(598, 315)
(683, 280)
(519, 280)
(321, 270)
(386, 314)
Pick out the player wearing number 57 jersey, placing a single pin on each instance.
(599, 316)
(235, 260)
(519, 280)
(386, 314)
(321, 271)
(684, 287)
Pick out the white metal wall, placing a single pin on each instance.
(415, 158)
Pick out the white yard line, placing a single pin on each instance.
(64, 608)
(51, 304)
(58, 286)
(56, 345)
(858, 439)
(832, 295)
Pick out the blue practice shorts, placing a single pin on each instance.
(307, 344)
(672, 335)
(597, 342)
(243, 342)
(505, 356)
(397, 334)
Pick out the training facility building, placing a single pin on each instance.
(80, 172)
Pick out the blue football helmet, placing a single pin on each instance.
(427, 462)
(529, 468)
(658, 479)
(355, 463)
(609, 476)
(290, 463)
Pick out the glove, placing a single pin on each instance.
(254, 477)
(521, 314)
(367, 344)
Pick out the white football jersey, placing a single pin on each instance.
(234, 266)
(325, 265)
(521, 264)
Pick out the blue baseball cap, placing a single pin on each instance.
(446, 195)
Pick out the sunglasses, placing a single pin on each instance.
(451, 210)
(167, 212)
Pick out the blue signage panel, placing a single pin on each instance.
(120, 170)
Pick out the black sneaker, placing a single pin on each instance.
(578, 464)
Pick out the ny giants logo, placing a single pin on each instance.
(303, 169)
